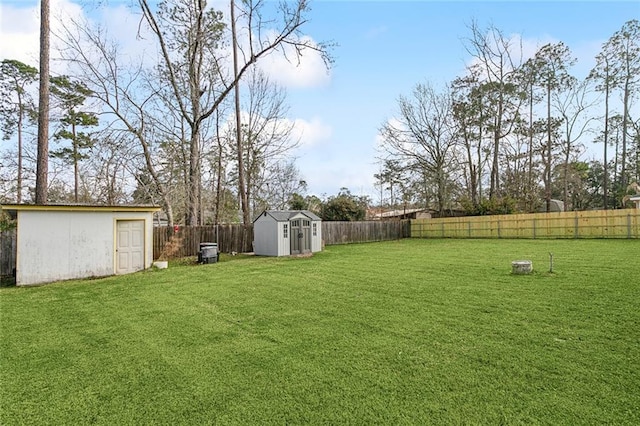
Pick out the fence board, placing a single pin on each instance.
(365, 231)
(584, 224)
(238, 238)
(7, 252)
(234, 237)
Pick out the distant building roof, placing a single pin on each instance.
(400, 213)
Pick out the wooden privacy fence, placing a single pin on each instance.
(362, 232)
(578, 224)
(7, 252)
(239, 238)
(236, 237)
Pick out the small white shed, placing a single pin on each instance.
(286, 232)
(56, 242)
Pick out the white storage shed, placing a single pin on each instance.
(286, 232)
(56, 242)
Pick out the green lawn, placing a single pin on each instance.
(406, 332)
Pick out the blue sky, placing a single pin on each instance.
(384, 48)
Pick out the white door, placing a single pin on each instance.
(129, 246)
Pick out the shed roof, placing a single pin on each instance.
(13, 208)
(286, 215)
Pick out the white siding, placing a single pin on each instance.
(316, 240)
(264, 241)
(284, 244)
(269, 238)
(59, 245)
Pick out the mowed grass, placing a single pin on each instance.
(406, 332)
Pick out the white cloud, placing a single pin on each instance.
(286, 69)
(19, 32)
(325, 178)
(135, 42)
(311, 133)
(379, 142)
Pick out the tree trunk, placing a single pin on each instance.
(76, 174)
(495, 168)
(606, 144)
(473, 184)
(19, 177)
(547, 189)
(216, 219)
(479, 151)
(42, 163)
(241, 184)
(530, 192)
(194, 179)
(625, 115)
(565, 175)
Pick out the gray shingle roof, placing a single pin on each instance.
(285, 215)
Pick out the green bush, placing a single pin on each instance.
(489, 206)
(6, 223)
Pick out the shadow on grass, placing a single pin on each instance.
(7, 282)
(224, 257)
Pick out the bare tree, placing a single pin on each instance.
(424, 136)
(175, 100)
(242, 189)
(125, 97)
(498, 59)
(188, 35)
(573, 105)
(107, 169)
(470, 120)
(267, 136)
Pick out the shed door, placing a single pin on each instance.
(300, 236)
(129, 246)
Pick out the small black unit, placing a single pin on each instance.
(208, 253)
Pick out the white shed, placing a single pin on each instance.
(56, 242)
(286, 232)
